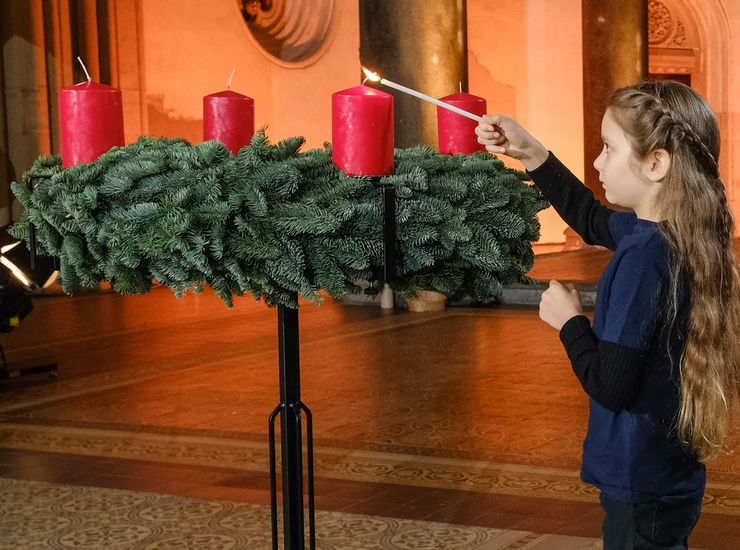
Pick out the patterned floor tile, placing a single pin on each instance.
(43, 515)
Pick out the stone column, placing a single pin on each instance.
(615, 54)
(84, 15)
(39, 42)
(121, 59)
(59, 60)
(5, 176)
(25, 94)
(422, 45)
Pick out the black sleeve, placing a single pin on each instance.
(610, 373)
(574, 202)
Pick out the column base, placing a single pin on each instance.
(573, 240)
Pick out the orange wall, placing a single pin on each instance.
(190, 48)
(524, 57)
(510, 47)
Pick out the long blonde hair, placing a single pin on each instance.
(697, 224)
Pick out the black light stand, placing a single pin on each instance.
(6, 372)
(291, 406)
(21, 305)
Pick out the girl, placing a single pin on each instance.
(661, 362)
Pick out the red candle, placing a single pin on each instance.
(229, 118)
(456, 133)
(90, 121)
(362, 131)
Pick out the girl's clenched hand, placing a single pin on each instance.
(558, 304)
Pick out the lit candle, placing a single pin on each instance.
(362, 131)
(375, 77)
(229, 118)
(90, 120)
(456, 133)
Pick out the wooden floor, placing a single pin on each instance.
(468, 416)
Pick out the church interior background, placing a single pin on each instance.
(457, 429)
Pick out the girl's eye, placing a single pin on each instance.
(606, 148)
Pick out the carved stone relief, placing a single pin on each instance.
(659, 22)
(667, 27)
(291, 32)
(673, 39)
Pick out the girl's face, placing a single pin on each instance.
(619, 170)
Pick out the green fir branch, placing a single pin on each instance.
(272, 221)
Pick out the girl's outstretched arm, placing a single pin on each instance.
(574, 202)
(571, 199)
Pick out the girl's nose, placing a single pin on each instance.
(597, 163)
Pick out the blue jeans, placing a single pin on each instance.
(648, 526)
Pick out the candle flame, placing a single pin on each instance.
(375, 77)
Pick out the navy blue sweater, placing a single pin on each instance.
(624, 360)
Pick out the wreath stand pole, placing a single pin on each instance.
(291, 407)
(389, 243)
(291, 439)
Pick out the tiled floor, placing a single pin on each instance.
(75, 516)
(468, 416)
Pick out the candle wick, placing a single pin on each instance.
(84, 69)
(363, 82)
(460, 83)
(228, 86)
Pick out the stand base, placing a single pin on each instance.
(6, 372)
(50, 369)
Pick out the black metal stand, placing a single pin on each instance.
(389, 232)
(291, 407)
(49, 368)
(291, 436)
(32, 183)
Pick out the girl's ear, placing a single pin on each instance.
(656, 164)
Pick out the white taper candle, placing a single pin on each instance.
(375, 77)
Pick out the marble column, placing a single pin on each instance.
(615, 54)
(422, 45)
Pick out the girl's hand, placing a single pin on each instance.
(502, 134)
(558, 304)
